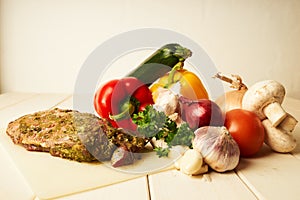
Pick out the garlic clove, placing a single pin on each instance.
(218, 148)
(166, 101)
(202, 170)
(177, 163)
(191, 162)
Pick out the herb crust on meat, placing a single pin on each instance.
(70, 134)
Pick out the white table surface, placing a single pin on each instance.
(269, 175)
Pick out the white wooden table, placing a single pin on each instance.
(267, 176)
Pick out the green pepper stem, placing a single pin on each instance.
(177, 67)
(127, 110)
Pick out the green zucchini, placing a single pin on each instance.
(160, 63)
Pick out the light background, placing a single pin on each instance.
(44, 43)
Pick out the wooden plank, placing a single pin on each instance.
(67, 103)
(136, 189)
(11, 106)
(10, 99)
(271, 175)
(176, 185)
(10, 175)
(12, 185)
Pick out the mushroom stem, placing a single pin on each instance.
(275, 113)
(288, 124)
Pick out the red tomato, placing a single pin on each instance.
(246, 129)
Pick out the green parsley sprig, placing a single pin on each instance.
(155, 124)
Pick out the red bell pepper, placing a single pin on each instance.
(117, 100)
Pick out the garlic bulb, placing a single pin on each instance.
(218, 148)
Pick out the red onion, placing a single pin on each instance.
(201, 112)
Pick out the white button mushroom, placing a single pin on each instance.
(278, 139)
(288, 124)
(265, 98)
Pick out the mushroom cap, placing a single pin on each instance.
(261, 94)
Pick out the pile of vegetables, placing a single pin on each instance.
(264, 99)
(167, 105)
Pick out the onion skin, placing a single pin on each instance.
(201, 112)
(231, 100)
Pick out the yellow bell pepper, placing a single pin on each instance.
(190, 85)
